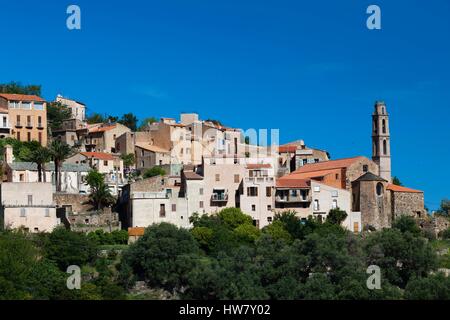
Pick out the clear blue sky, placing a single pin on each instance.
(313, 70)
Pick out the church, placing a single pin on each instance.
(369, 181)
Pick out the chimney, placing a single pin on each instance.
(8, 154)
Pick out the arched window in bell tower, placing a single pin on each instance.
(384, 125)
(375, 147)
(384, 147)
(375, 126)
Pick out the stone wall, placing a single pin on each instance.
(407, 203)
(94, 220)
(375, 210)
(356, 170)
(78, 202)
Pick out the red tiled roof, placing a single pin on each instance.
(287, 149)
(98, 155)
(136, 231)
(102, 128)
(21, 97)
(396, 188)
(328, 165)
(293, 183)
(259, 165)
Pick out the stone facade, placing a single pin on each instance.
(407, 203)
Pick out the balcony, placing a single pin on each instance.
(40, 126)
(292, 199)
(257, 180)
(29, 125)
(219, 197)
(18, 125)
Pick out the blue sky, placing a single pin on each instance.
(310, 68)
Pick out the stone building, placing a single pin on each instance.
(381, 146)
(78, 109)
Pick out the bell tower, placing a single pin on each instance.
(381, 146)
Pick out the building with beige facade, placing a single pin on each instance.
(102, 137)
(77, 108)
(5, 128)
(29, 206)
(27, 116)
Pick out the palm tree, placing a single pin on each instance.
(40, 156)
(100, 194)
(59, 151)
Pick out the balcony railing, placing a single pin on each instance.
(18, 125)
(258, 179)
(292, 199)
(29, 125)
(219, 197)
(40, 126)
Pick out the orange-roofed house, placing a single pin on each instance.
(135, 233)
(102, 137)
(27, 116)
(406, 201)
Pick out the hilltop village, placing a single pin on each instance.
(174, 169)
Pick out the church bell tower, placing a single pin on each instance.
(381, 146)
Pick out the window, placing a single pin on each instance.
(13, 104)
(38, 106)
(384, 147)
(380, 189)
(334, 193)
(316, 188)
(142, 152)
(162, 210)
(181, 151)
(201, 204)
(36, 229)
(18, 120)
(23, 212)
(86, 221)
(217, 177)
(268, 191)
(253, 207)
(337, 176)
(316, 160)
(252, 191)
(174, 207)
(5, 122)
(236, 178)
(21, 177)
(105, 162)
(269, 219)
(28, 136)
(30, 199)
(384, 126)
(47, 212)
(142, 163)
(334, 204)
(29, 121)
(316, 205)
(365, 168)
(269, 207)
(26, 105)
(18, 135)
(200, 191)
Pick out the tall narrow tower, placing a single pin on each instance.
(381, 146)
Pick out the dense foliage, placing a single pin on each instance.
(225, 257)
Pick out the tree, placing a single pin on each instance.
(65, 248)
(153, 172)
(162, 257)
(95, 118)
(18, 88)
(234, 217)
(128, 160)
(40, 156)
(129, 120)
(406, 224)
(59, 151)
(396, 181)
(56, 114)
(100, 194)
(433, 287)
(336, 216)
(146, 122)
(445, 207)
(277, 231)
(401, 256)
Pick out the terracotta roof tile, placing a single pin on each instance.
(396, 188)
(21, 97)
(328, 165)
(102, 128)
(98, 155)
(292, 183)
(136, 231)
(287, 149)
(153, 148)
